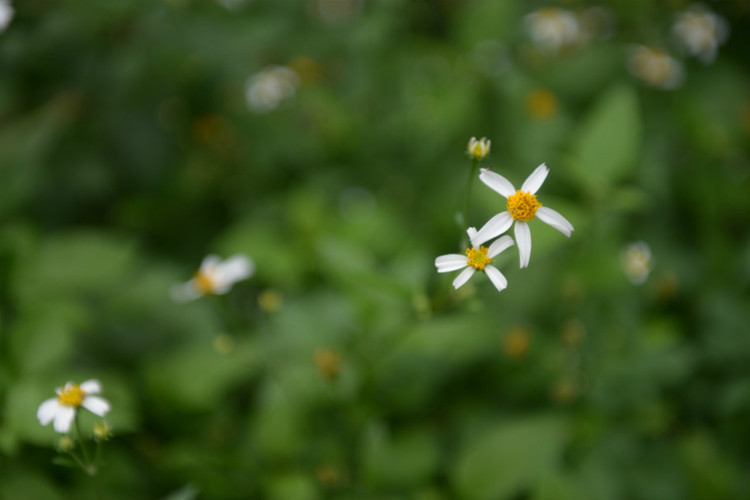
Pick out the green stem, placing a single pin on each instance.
(89, 466)
(461, 219)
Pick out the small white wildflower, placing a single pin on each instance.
(522, 206)
(478, 149)
(636, 262)
(6, 14)
(551, 28)
(655, 67)
(214, 277)
(699, 31)
(476, 259)
(62, 409)
(264, 91)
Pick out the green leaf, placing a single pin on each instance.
(498, 463)
(608, 142)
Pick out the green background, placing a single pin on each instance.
(128, 153)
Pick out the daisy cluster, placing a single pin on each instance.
(695, 32)
(522, 206)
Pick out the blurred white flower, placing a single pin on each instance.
(478, 149)
(333, 11)
(552, 28)
(700, 31)
(522, 207)
(214, 277)
(655, 67)
(264, 91)
(6, 14)
(636, 262)
(476, 259)
(62, 409)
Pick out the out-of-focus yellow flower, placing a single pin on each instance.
(270, 300)
(327, 474)
(308, 70)
(478, 149)
(636, 262)
(541, 104)
(655, 68)
(516, 342)
(573, 332)
(564, 390)
(328, 362)
(223, 343)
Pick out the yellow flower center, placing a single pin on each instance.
(523, 205)
(71, 395)
(477, 257)
(204, 282)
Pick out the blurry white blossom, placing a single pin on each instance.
(215, 277)
(62, 409)
(699, 31)
(551, 28)
(264, 91)
(636, 262)
(6, 14)
(333, 11)
(476, 258)
(655, 67)
(522, 207)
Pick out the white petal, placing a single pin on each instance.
(499, 245)
(47, 411)
(471, 231)
(463, 277)
(92, 386)
(63, 418)
(497, 182)
(210, 262)
(536, 179)
(184, 292)
(451, 262)
(235, 268)
(96, 405)
(494, 227)
(523, 240)
(496, 277)
(554, 219)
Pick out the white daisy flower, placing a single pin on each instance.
(6, 14)
(522, 207)
(552, 28)
(655, 67)
(476, 259)
(62, 409)
(214, 277)
(700, 32)
(636, 262)
(264, 91)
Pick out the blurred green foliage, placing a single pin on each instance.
(346, 367)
